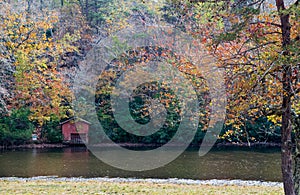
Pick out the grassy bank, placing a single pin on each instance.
(94, 187)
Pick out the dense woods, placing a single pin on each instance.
(256, 43)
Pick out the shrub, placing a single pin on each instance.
(16, 128)
(51, 130)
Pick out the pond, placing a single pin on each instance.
(247, 164)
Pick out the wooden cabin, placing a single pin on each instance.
(75, 131)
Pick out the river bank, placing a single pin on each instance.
(55, 185)
(213, 182)
(130, 145)
(32, 146)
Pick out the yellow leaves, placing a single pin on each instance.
(39, 119)
(296, 106)
(42, 66)
(227, 134)
(10, 45)
(229, 121)
(274, 119)
(37, 83)
(10, 32)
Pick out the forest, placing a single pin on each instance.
(255, 43)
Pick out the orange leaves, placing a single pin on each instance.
(252, 58)
(38, 84)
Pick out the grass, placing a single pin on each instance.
(94, 187)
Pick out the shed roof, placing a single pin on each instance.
(75, 119)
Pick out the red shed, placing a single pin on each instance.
(75, 131)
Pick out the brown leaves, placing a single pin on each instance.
(38, 84)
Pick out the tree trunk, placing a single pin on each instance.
(29, 2)
(296, 123)
(286, 150)
(87, 10)
(41, 5)
(297, 167)
(286, 128)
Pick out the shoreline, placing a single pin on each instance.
(130, 145)
(33, 146)
(212, 182)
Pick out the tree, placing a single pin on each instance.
(260, 53)
(28, 41)
(141, 99)
(16, 128)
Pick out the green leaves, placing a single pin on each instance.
(16, 128)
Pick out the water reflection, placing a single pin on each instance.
(79, 162)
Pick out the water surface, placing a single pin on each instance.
(247, 164)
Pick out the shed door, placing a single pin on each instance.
(77, 138)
